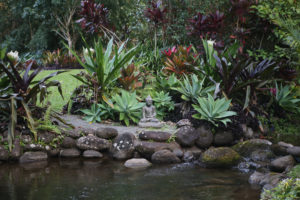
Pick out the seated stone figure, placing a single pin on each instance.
(149, 119)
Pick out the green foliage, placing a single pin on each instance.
(163, 104)
(286, 98)
(166, 84)
(192, 90)
(107, 111)
(287, 189)
(295, 172)
(213, 110)
(93, 115)
(105, 64)
(46, 124)
(128, 107)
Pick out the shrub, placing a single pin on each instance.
(288, 189)
(163, 104)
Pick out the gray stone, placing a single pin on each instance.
(196, 152)
(28, 157)
(4, 154)
(53, 152)
(69, 153)
(271, 179)
(188, 157)
(137, 163)
(286, 145)
(68, 142)
(247, 132)
(294, 151)
(183, 122)
(123, 146)
(34, 147)
(157, 136)
(150, 125)
(256, 178)
(46, 137)
(91, 142)
(186, 136)
(178, 153)
(220, 157)
(106, 133)
(280, 164)
(205, 137)
(146, 149)
(92, 154)
(262, 155)
(16, 151)
(164, 157)
(223, 138)
(247, 147)
(74, 133)
(279, 150)
(26, 139)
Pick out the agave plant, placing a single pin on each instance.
(92, 115)
(105, 65)
(192, 90)
(128, 107)
(212, 110)
(163, 103)
(286, 98)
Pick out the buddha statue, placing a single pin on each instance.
(149, 119)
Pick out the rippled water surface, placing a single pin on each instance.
(92, 179)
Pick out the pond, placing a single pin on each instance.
(104, 179)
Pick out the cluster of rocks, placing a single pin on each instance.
(270, 162)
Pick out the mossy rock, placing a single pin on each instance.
(247, 147)
(295, 172)
(220, 157)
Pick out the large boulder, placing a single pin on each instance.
(157, 136)
(270, 180)
(279, 150)
(247, 147)
(92, 154)
(123, 146)
(256, 178)
(106, 133)
(91, 142)
(28, 157)
(164, 157)
(220, 157)
(191, 154)
(183, 122)
(146, 149)
(68, 142)
(223, 138)
(205, 137)
(262, 155)
(137, 163)
(282, 163)
(186, 136)
(69, 153)
(75, 133)
(4, 154)
(294, 151)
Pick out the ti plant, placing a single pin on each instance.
(105, 65)
(213, 111)
(128, 107)
(163, 103)
(286, 98)
(129, 78)
(23, 91)
(181, 62)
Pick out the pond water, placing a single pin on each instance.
(94, 179)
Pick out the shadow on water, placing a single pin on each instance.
(102, 179)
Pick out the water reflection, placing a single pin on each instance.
(102, 179)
